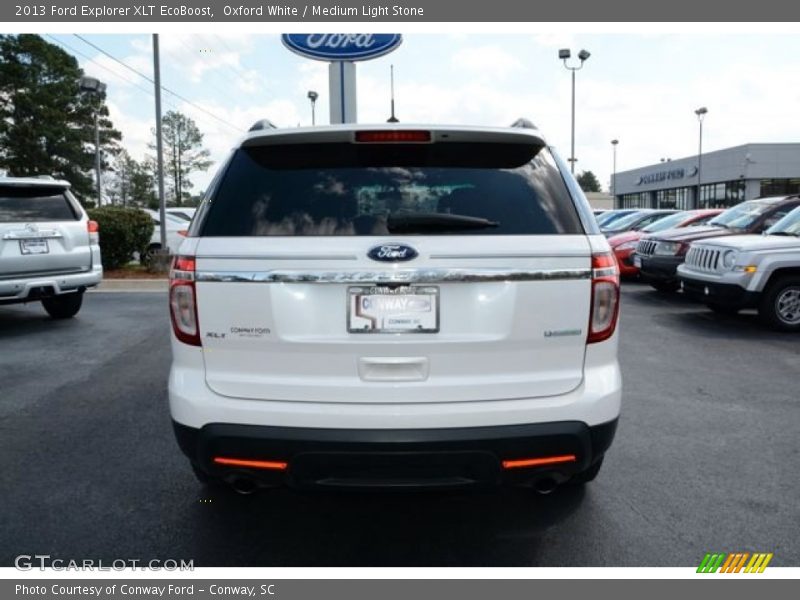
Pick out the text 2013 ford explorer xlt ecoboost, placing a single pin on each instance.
(373, 306)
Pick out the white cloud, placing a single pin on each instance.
(491, 61)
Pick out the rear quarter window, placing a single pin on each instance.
(35, 205)
(345, 189)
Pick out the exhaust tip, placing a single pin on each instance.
(545, 485)
(244, 485)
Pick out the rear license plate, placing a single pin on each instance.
(381, 309)
(637, 262)
(37, 246)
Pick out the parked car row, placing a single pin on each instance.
(747, 256)
(749, 271)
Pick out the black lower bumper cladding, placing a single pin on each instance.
(308, 458)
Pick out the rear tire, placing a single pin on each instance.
(64, 306)
(779, 307)
(723, 309)
(665, 287)
(146, 258)
(588, 475)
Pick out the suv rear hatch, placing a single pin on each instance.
(331, 268)
(41, 232)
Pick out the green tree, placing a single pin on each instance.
(588, 182)
(143, 185)
(184, 153)
(46, 123)
(132, 183)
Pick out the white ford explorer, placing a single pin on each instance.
(394, 306)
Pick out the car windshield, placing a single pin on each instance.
(742, 215)
(666, 223)
(609, 217)
(788, 225)
(387, 189)
(624, 222)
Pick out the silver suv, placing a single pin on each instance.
(750, 271)
(49, 249)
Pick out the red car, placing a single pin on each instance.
(624, 244)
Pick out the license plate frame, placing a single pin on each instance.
(34, 247)
(361, 321)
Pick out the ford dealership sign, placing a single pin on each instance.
(341, 46)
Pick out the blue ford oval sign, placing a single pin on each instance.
(392, 253)
(341, 46)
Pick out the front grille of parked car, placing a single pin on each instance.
(703, 259)
(646, 247)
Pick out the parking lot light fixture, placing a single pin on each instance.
(312, 95)
(95, 88)
(614, 144)
(564, 54)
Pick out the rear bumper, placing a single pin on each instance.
(34, 287)
(396, 458)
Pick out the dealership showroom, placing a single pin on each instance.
(728, 176)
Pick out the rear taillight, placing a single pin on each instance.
(94, 230)
(384, 137)
(605, 297)
(183, 301)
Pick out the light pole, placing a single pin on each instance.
(95, 88)
(614, 175)
(162, 211)
(312, 95)
(392, 118)
(701, 113)
(564, 55)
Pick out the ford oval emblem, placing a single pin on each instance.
(392, 253)
(341, 46)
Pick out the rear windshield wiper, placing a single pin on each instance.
(422, 222)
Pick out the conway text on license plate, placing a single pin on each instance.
(33, 246)
(381, 309)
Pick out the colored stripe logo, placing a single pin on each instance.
(735, 562)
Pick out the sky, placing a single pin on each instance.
(641, 89)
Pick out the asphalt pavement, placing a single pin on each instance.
(706, 459)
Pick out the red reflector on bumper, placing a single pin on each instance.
(251, 464)
(538, 462)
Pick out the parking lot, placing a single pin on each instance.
(706, 458)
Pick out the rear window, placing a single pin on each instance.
(385, 189)
(34, 205)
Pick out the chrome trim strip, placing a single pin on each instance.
(403, 276)
(277, 256)
(491, 256)
(39, 234)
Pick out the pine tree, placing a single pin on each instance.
(46, 123)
